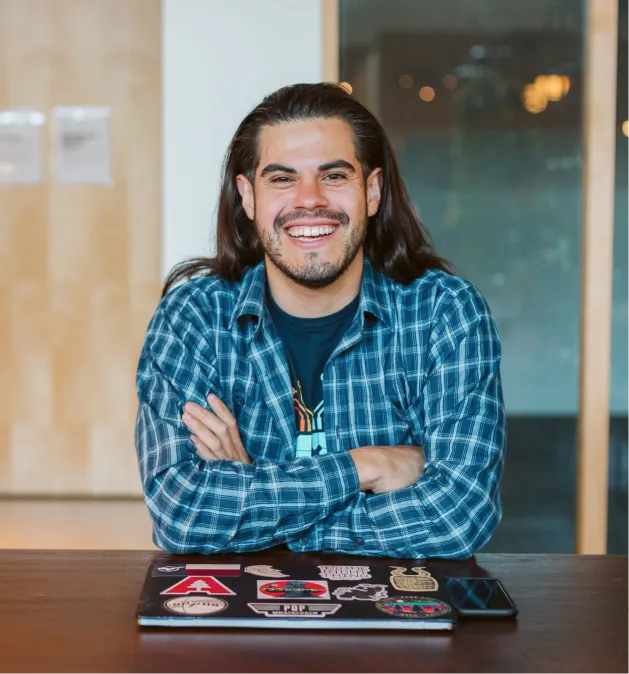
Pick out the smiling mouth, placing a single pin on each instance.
(305, 233)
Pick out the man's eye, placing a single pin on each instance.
(335, 176)
(282, 180)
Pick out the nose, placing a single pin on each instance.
(310, 194)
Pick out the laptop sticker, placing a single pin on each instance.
(413, 607)
(293, 589)
(344, 572)
(196, 570)
(362, 592)
(422, 581)
(212, 569)
(265, 570)
(169, 570)
(195, 605)
(295, 610)
(201, 584)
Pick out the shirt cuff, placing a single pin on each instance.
(341, 477)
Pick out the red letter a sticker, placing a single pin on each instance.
(203, 584)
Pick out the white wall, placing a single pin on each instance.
(220, 58)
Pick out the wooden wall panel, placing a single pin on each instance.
(599, 148)
(80, 266)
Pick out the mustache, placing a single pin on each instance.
(320, 214)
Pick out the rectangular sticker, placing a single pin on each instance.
(213, 569)
(180, 570)
(294, 610)
(347, 572)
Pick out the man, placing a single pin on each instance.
(324, 381)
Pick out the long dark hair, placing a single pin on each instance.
(396, 243)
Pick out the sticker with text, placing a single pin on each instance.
(351, 572)
(200, 584)
(293, 589)
(197, 570)
(362, 592)
(195, 605)
(420, 581)
(295, 610)
(413, 607)
(265, 571)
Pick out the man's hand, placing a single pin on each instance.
(216, 434)
(382, 469)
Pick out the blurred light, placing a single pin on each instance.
(566, 84)
(552, 85)
(405, 81)
(535, 108)
(545, 88)
(347, 86)
(450, 81)
(625, 127)
(427, 94)
(534, 98)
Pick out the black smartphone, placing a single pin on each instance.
(480, 597)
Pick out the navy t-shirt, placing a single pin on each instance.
(309, 343)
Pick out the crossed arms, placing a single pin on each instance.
(449, 509)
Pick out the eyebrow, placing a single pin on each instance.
(281, 168)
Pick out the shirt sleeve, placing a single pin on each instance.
(218, 506)
(459, 419)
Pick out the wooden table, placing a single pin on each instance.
(69, 611)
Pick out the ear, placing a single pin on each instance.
(374, 191)
(246, 192)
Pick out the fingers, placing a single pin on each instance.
(210, 430)
(216, 431)
(223, 413)
(202, 450)
(205, 430)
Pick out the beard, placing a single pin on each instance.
(314, 273)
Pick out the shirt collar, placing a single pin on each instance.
(374, 298)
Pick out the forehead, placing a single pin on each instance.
(306, 144)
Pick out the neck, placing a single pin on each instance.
(303, 302)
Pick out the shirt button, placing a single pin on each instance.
(239, 401)
(359, 541)
(303, 540)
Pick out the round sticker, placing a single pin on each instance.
(413, 607)
(195, 605)
(294, 589)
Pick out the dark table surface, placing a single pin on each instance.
(71, 610)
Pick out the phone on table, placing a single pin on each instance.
(480, 597)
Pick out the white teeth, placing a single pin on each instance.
(299, 232)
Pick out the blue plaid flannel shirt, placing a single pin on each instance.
(419, 365)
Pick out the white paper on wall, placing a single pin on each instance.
(21, 153)
(82, 145)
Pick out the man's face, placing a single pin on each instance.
(310, 202)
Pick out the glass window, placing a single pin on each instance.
(482, 102)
